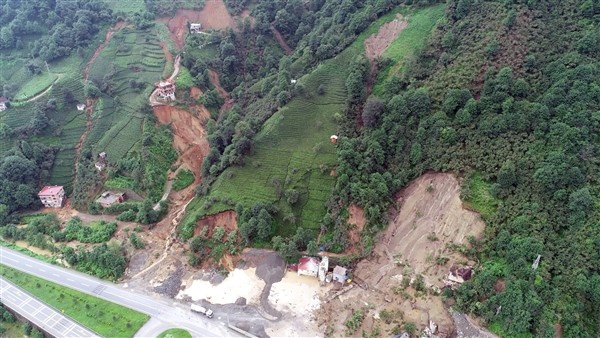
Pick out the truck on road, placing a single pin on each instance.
(202, 310)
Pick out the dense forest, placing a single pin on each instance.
(510, 92)
(51, 29)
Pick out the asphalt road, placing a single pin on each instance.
(165, 313)
(42, 315)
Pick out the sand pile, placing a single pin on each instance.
(239, 283)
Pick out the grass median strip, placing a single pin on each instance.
(106, 318)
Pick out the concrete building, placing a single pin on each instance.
(80, 106)
(109, 198)
(52, 196)
(339, 274)
(166, 90)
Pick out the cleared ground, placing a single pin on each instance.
(430, 218)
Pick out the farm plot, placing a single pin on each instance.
(118, 118)
(36, 85)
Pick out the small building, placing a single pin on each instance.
(52, 196)
(323, 268)
(109, 198)
(339, 274)
(459, 275)
(195, 28)
(3, 103)
(101, 162)
(80, 106)
(166, 90)
(333, 138)
(293, 81)
(308, 266)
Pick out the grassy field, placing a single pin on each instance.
(183, 180)
(118, 120)
(479, 196)
(36, 85)
(127, 7)
(105, 318)
(412, 39)
(292, 151)
(175, 333)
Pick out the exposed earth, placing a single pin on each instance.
(376, 44)
(430, 217)
(214, 15)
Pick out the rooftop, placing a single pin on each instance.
(108, 197)
(50, 190)
(308, 263)
(338, 270)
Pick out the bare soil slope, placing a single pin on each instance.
(375, 45)
(214, 15)
(431, 216)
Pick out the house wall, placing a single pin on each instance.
(53, 201)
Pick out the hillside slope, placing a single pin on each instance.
(506, 95)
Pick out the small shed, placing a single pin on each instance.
(3, 103)
(339, 274)
(101, 162)
(308, 266)
(109, 198)
(293, 81)
(80, 106)
(333, 138)
(195, 27)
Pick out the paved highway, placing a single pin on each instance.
(42, 315)
(165, 313)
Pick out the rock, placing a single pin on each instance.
(240, 301)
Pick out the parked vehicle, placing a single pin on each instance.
(202, 310)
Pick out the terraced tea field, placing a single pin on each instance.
(293, 151)
(118, 118)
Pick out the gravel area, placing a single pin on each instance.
(172, 284)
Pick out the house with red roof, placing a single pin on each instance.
(308, 266)
(52, 196)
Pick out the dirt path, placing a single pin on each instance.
(281, 41)
(45, 90)
(89, 102)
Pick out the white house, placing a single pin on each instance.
(52, 196)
